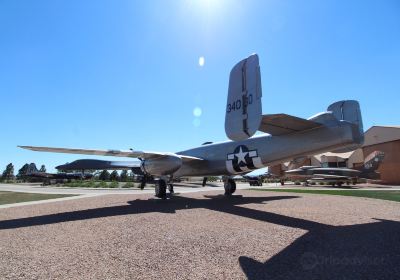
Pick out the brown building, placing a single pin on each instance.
(387, 140)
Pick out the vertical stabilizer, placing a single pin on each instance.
(371, 165)
(243, 108)
(348, 110)
(373, 160)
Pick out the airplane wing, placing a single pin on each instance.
(280, 124)
(113, 153)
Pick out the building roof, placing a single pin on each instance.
(337, 155)
(381, 134)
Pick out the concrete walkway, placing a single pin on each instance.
(178, 188)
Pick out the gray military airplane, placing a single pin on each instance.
(33, 172)
(95, 164)
(336, 176)
(337, 129)
(255, 178)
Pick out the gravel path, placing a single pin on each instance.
(262, 235)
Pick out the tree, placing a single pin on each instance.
(23, 170)
(114, 176)
(104, 175)
(9, 172)
(42, 168)
(124, 176)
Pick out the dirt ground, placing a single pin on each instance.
(253, 235)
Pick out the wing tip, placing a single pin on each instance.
(24, 147)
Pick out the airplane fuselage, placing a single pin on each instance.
(240, 157)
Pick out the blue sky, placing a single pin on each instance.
(125, 74)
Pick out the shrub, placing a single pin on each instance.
(101, 185)
(90, 184)
(114, 184)
(128, 185)
(78, 184)
(69, 184)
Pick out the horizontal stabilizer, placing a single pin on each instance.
(113, 153)
(280, 124)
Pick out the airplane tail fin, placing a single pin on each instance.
(373, 161)
(244, 117)
(344, 111)
(348, 110)
(243, 109)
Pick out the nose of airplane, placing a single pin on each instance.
(293, 171)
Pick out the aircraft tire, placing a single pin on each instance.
(171, 188)
(143, 183)
(161, 189)
(233, 187)
(230, 187)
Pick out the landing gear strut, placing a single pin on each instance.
(171, 188)
(204, 181)
(143, 182)
(229, 186)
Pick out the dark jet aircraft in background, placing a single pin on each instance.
(33, 172)
(339, 128)
(95, 164)
(337, 176)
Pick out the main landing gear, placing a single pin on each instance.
(229, 186)
(161, 188)
(143, 182)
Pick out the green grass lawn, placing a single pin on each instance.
(386, 195)
(14, 197)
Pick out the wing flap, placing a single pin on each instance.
(281, 124)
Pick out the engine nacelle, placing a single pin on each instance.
(163, 165)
